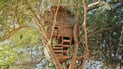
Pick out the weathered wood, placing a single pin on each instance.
(66, 45)
(66, 40)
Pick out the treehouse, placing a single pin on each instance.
(63, 35)
(62, 30)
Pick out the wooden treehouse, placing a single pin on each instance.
(62, 32)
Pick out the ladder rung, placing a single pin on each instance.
(66, 45)
(61, 51)
(59, 55)
(58, 50)
(57, 47)
(66, 40)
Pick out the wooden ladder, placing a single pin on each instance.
(62, 50)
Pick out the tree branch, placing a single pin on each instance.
(48, 44)
(14, 31)
(85, 35)
(94, 33)
(75, 30)
(102, 29)
(95, 3)
(84, 27)
(29, 63)
(39, 23)
(104, 5)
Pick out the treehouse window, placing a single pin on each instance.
(66, 38)
(55, 27)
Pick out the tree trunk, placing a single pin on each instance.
(121, 67)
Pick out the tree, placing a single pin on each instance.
(23, 32)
